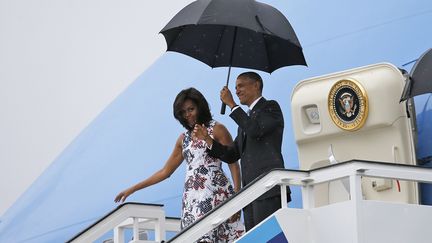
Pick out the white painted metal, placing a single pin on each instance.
(334, 223)
(236, 203)
(155, 213)
(386, 135)
(118, 235)
(395, 222)
(356, 199)
(308, 196)
(171, 224)
(348, 217)
(135, 229)
(283, 196)
(380, 221)
(299, 219)
(354, 230)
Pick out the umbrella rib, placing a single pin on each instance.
(267, 54)
(175, 39)
(263, 27)
(232, 55)
(233, 46)
(218, 46)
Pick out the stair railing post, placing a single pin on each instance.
(160, 230)
(118, 234)
(283, 196)
(356, 199)
(135, 229)
(308, 193)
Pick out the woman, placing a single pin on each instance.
(206, 185)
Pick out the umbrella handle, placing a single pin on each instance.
(223, 108)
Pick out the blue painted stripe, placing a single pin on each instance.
(269, 231)
(280, 238)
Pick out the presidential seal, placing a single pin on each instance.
(348, 104)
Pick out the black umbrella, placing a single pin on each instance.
(420, 81)
(234, 33)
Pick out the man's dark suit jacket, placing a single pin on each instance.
(258, 142)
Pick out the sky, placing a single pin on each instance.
(70, 70)
(61, 63)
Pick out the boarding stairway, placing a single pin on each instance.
(355, 220)
(140, 217)
(373, 199)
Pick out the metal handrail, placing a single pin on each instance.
(353, 169)
(118, 216)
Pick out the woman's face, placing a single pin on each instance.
(190, 112)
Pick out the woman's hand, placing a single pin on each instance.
(121, 197)
(200, 132)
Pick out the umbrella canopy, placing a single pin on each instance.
(420, 81)
(237, 33)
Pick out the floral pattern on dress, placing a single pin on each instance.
(206, 186)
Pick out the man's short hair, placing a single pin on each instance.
(254, 77)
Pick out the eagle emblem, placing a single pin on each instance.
(348, 104)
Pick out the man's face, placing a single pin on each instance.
(247, 90)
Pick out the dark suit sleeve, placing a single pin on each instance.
(265, 120)
(229, 154)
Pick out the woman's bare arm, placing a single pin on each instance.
(170, 166)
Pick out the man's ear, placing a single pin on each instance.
(257, 87)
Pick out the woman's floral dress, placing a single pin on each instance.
(206, 186)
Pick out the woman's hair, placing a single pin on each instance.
(203, 110)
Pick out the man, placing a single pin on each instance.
(258, 142)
